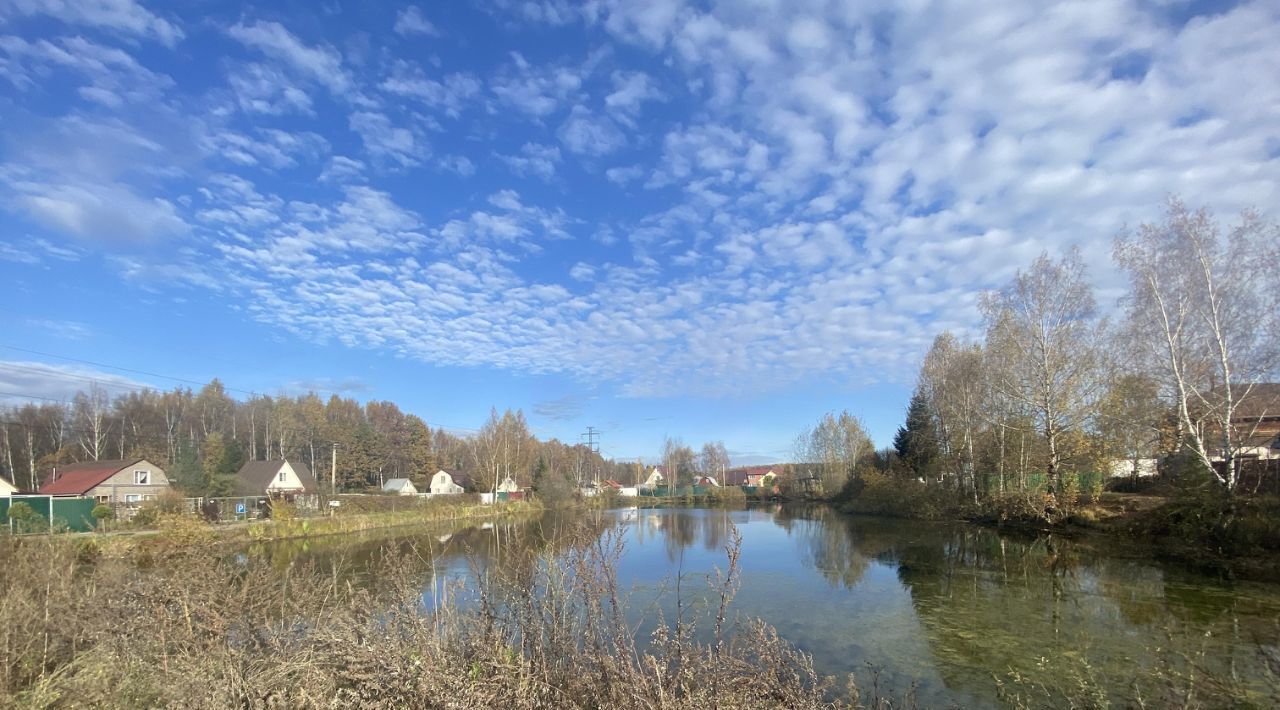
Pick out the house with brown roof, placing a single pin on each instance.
(749, 476)
(279, 478)
(123, 481)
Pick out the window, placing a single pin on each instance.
(141, 478)
(132, 498)
(282, 476)
(102, 499)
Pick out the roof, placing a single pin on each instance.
(80, 478)
(253, 478)
(738, 476)
(1261, 399)
(395, 484)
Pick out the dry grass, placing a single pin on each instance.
(183, 628)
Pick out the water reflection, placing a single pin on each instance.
(949, 608)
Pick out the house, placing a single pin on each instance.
(400, 487)
(705, 481)
(750, 476)
(1255, 422)
(123, 481)
(655, 478)
(6, 488)
(508, 486)
(448, 482)
(277, 479)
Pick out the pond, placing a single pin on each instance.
(948, 612)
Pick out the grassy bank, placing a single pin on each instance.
(1186, 520)
(548, 629)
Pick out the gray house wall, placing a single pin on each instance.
(117, 488)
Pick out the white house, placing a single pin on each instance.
(274, 478)
(446, 483)
(400, 487)
(6, 488)
(655, 478)
(508, 486)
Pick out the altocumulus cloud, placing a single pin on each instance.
(686, 199)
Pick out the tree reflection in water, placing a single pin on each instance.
(950, 607)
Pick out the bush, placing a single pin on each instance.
(102, 513)
(25, 519)
(877, 493)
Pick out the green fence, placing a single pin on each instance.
(54, 513)
(673, 491)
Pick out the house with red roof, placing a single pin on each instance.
(120, 481)
(749, 475)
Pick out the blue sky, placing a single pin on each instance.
(715, 221)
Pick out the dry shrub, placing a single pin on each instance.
(196, 631)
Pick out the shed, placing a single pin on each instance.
(400, 487)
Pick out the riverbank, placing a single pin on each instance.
(173, 531)
(1236, 538)
(209, 631)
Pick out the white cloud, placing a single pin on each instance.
(123, 16)
(534, 159)
(537, 91)
(99, 211)
(590, 134)
(24, 382)
(451, 94)
(410, 21)
(259, 88)
(631, 90)
(320, 64)
(387, 142)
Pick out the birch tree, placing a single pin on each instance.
(1204, 306)
(91, 411)
(835, 446)
(714, 460)
(953, 380)
(1046, 323)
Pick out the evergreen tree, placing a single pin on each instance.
(916, 442)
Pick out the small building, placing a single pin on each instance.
(275, 479)
(400, 487)
(655, 478)
(6, 488)
(508, 485)
(445, 482)
(749, 476)
(705, 481)
(120, 481)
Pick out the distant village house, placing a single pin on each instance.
(448, 482)
(276, 479)
(400, 487)
(121, 481)
(6, 488)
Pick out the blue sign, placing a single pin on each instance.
(239, 508)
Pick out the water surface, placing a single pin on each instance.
(948, 610)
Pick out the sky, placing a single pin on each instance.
(715, 221)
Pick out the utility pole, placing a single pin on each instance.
(593, 445)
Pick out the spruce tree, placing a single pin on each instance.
(917, 440)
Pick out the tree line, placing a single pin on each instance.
(202, 438)
(1053, 388)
